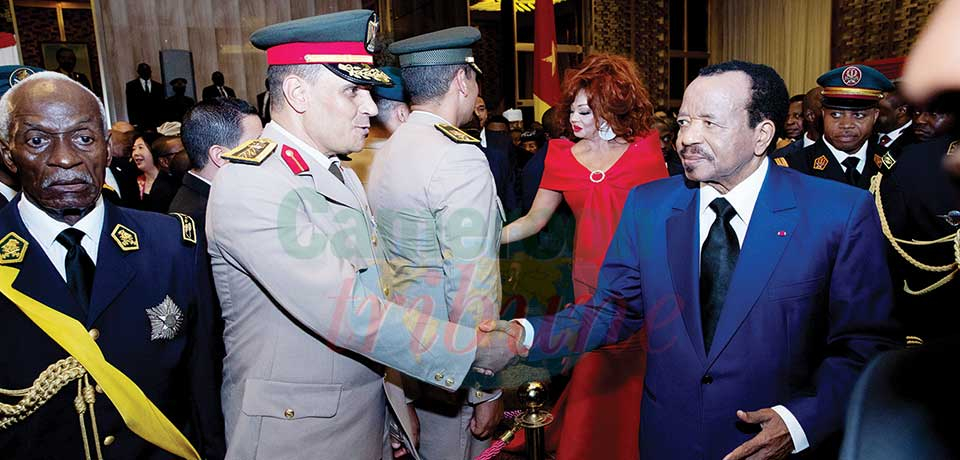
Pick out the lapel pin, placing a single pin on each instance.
(782, 233)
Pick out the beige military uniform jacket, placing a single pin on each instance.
(439, 222)
(294, 265)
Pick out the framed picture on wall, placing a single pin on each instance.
(71, 59)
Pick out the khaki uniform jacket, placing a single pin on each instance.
(294, 264)
(439, 221)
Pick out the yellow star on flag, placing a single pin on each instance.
(552, 58)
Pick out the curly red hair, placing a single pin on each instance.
(615, 92)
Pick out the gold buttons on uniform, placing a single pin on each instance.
(108, 440)
(373, 240)
(99, 389)
(289, 413)
(479, 394)
(94, 333)
(438, 376)
(386, 292)
(449, 382)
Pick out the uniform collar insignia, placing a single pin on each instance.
(820, 163)
(252, 152)
(13, 248)
(125, 238)
(293, 160)
(456, 134)
(165, 320)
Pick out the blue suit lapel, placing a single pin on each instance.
(113, 272)
(38, 278)
(683, 255)
(775, 214)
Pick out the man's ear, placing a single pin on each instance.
(296, 93)
(109, 148)
(403, 112)
(766, 133)
(6, 153)
(213, 154)
(460, 80)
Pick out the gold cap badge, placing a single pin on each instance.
(12, 249)
(125, 238)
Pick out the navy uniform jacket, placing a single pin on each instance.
(180, 375)
(906, 139)
(804, 161)
(191, 199)
(914, 194)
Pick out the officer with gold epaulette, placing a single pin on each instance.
(439, 219)
(106, 326)
(919, 207)
(846, 152)
(295, 262)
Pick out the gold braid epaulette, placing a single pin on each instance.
(952, 268)
(50, 381)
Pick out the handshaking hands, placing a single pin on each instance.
(499, 344)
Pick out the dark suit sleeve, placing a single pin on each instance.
(616, 310)
(860, 323)
(205, 365)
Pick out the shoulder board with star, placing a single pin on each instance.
(456, 134)
(188, 228)
(252, 152)
(954, 147)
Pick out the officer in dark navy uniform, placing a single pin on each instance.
(80, 276)
(920, 202)
(845, 153)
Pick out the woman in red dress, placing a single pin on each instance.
(598, 414)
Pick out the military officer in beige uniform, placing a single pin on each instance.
(293, 252)
(439, 220)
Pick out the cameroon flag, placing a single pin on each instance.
(546, 79)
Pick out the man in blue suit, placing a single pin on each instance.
(764, 291)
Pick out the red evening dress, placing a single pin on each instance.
(598, 414)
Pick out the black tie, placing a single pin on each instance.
(717, 262)
(335, 170)
(853, 176)
(78, 264)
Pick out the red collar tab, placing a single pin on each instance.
(293, 160)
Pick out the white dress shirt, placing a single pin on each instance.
(807, 141)
(743, 198)
(7, 192)
(145, 84)
(45, 230)
(841, 155)
(893, 135)
(204, 179)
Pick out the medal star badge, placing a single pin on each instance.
(165, 320)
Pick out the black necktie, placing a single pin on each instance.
(853, 176)
(335, 170)
(78, 264)
(718, 258)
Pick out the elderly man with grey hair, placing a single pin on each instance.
(105, 316)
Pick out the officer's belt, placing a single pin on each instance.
(138, 412)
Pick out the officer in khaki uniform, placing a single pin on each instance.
(294, 257)
(439, 220)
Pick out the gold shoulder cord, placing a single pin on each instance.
(952, 268)
(53, 379)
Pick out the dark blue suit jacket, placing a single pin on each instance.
(180, 375)
(809, 304)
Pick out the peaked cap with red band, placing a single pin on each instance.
(341, 41)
